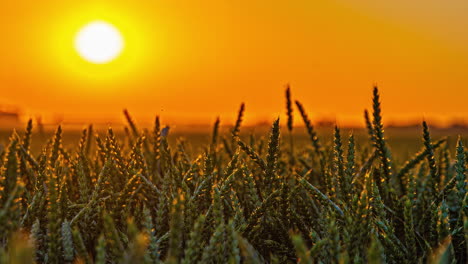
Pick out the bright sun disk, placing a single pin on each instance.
(99, 42)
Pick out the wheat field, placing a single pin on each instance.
(136, 198)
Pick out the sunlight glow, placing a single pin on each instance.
(99, 42)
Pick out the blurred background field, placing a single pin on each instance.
(403, 141)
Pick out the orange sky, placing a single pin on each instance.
(191, 61)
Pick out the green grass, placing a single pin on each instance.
(235, 195)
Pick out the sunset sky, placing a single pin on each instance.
(191, 61)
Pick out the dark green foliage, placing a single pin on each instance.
(67, 242)
(380, 145)
(410, 164)
(11, 191)
(101, 251)
(370, 128)
(80, 248)
(456, 218)
(240, 116)
(289, 113)
(272, 156)
(433, 180)
(310, 128)
(339, 164)
(289, 108)
(214, 139)
(140, 198)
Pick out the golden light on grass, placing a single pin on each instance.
(99, 42)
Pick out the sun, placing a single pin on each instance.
(99, 42)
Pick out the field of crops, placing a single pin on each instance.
(149, 197)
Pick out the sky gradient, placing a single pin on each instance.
(191, 61)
